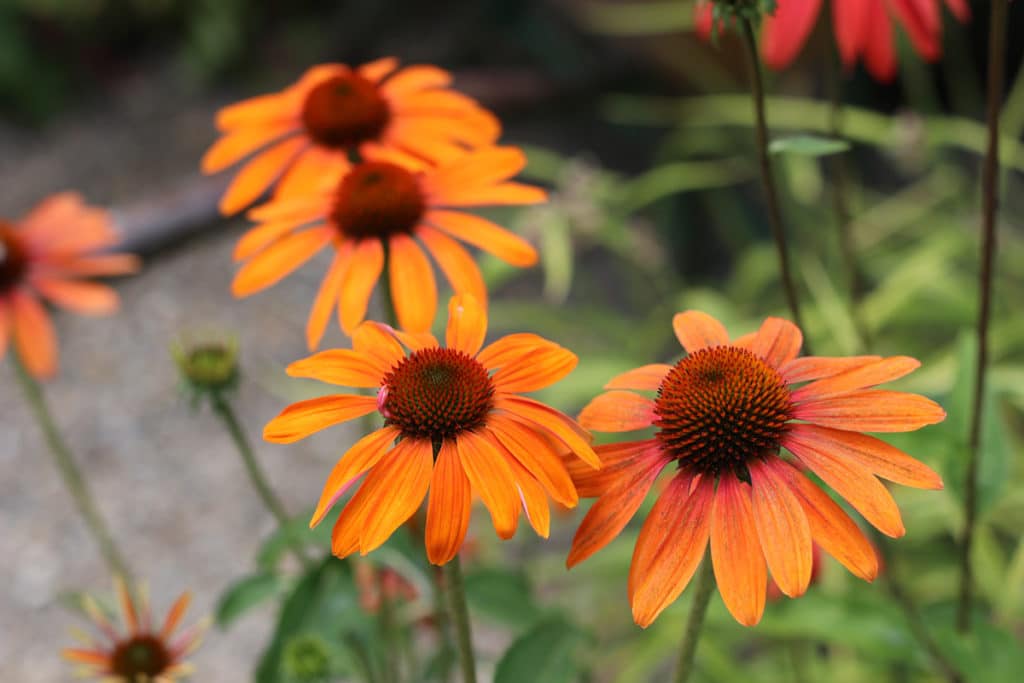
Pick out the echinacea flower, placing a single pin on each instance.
(723, 413)
(454, 424)
(47, 254)
(334, 111)
(145, 654)
(863, 30)
(389, 204)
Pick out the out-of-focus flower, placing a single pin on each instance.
(48, 254)
(376, 583)
(455, 425)
(723, 413)
(863, 30)
(307, 658)
(334, 111)
(208, 363)
(379, 207)
(145, 654)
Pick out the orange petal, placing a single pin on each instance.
(260, 237)
(533, 499)
(377, 341)
(617, 460)
(6, 323)
(361, 457)
(431, 144)
(415, 78)
(561, 426)
(345, 367)
(378, 68)
(274, 264)
(327, 296)
(90, 657)
(778, 341)
(644, 378)
(360, 278)
(485, 235)
(510, 348)
(670, 547)
(397, 486)
(475, 169)
(782, 527)
(413, 290)
(874, 455)
(313, 205)
(832, 528)
(473, 128)
(301, 419)
(467, 324)
(696, 330)
(611, 513)
(175, 615)
(872, 374)
(93, 265)
(455, 262)
(540, 368)
(817, 367)
(449, 507)
(124, 597)
(491, 477)
(739, 564)
(345, 532)
(260, 110)
(414, 341)
(849, 479)
(257, 175)
(86, 298)
(34, 336)
(238, 144)
(315, 170)
(618, 411)
(872, 410)
(504, 194)
(537, 455)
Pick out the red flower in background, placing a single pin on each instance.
(863, 30)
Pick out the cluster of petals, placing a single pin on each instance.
(143, 652)
(510, 457)
(765, 513)
(48, 254)
(864, 30)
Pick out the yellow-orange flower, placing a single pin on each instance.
(722, 414)
(390, 204)
(145, 654)
(47, 254)
(455, 425)
(333, 111)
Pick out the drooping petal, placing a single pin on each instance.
(922, 20)
(263, 236)
(873, 374)
(786, 31)
(327, 296)
(645, 378)
(618, 460)
(740, 570)
(492, 479)
(696, 330)
(777, 341)
(960, 9)
(397, 486)
(360, 278)
(34, 337)
(537, 455)
(301, 419)
(872, 410)
(258, 174)
(448, 508)
(79, 296)
(851, 21)
(175, 615)
(92, 265)
(484, 234)
(817, 367)
(782, 527)
(559, 425)
(618, 411)
(510, 348)
(475, 169)
(540, 368)
(259, 111)
(377, 69)
(413, 288)
(455, 262)
(238, 144)
(345, 367)
(278, 261)
(315, 169)
(378, 341)
(414, 78)
(533, 500)
(879, 45)
(467, 324)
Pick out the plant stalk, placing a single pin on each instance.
(456, 594)
(695, 622)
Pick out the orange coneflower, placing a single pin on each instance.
(46, 254)
(382, 206)
(454, 424)
(722, 415)
(144, 654)
(335, 110)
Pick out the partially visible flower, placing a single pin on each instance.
(335, 111)
(723, 413)
(389, 205)
(144, 654)
(307, 658)
(48, 254)
(455, 425)
(863, 30)
(378, 583)
(208, 363)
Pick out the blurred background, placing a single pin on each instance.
(642, 132)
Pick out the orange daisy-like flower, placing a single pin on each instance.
(383, 206)
(334, 110)
(144, 654)
(455, 425)
(722, 415)
(46, 254)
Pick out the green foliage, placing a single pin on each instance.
(545, 654)
(808, 145)
(245, 594)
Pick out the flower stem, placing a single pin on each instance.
(695, 622)
(226, 413)
(73, 479)
(990, 204)
(767, 175)
(456, 595)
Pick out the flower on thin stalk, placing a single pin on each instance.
(723, 414)
(207, 363)
(455, 425)
(391, 205)
(48, 254)
(335, 111)
(863, 30)
(144, 654)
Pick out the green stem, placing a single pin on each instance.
(224, 411)
(388, 632)
(767, 175)
(990, 205)
(459, 613)
(73, 479)
(695, 622)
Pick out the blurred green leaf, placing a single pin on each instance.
(279, 542)
(245, 594)
(545, 654)
(808, 145)
(503, 595)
